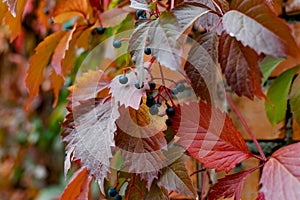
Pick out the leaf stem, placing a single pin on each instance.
(172, 4)
(203, 184)
(219, 8)
(241, 118)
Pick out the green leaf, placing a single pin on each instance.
(268, 65)
(295, 99)
(278, 95)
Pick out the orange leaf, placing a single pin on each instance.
(69, 9)
(38, 62)
(13, 18)
(77, 185)
(60, 52)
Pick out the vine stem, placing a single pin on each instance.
(203, 184)
(241, 118)
(172, 4)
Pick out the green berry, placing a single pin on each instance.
(147, 51)
(170, 112)
(117, 43)
(118, 197)
(180, 87)
(152, 85)
(123, 79)
(169, 122)
(153, 110)
(112, 192)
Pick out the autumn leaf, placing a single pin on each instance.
(175, 178)
(38, 63)
(283, 168)
(78, 186)
(127, 94)
(13, 17)
(113, 17)
(188, 13)
(156, 193)
(139, 4)
(89, 130)
(164, 43)
(201, 65)
(12, 6)
(69, 9)
(230, 186)
(295, 99)
(60, 51)
(240, 65)
(140, 140)
(88, 86)
(209, 136)
(252, 23)
(275, 6)
(278, 95)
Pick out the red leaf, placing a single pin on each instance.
(127, 94)
(209, 136)
(230, 186)
(240, 65)
(253, 23)
(78, 186)
(282, 173)
(38, 62)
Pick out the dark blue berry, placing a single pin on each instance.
(100, 30)
(147, 51)
(180, 87)
(123, 79)
(170, 112)
(117, 43)
(153, 110)
(169, 122)
(150, 101)
(112, 192)
(118, 197)
(137, 85)
(139, 13)
(174, 91)
(46, 11)
(152, 85)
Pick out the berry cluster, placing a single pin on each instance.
(112, 192)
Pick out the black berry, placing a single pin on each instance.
(139, 13)
(147, 51)
(137, 85)
(117, 43)
(180, 87)
(170, 112)
(118, 197)
(150, 101)
(169, 122)
(174, 91)
(152, 85)
(112, 192)
(153, 110)
(46, 11)
(123, 79)
(100, 30)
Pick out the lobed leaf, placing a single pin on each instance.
(230, 186)
(201, 65)
(295, 99)
(176, 178)
(283, 168)
(252, 23)
(209, 136)
(139, 4)
(240, 66)
(69, 9)
(278, 95)
(38, 63)
(268, 65)
(113, 17)
(78, 186)
(156, 193)
(88, 130)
